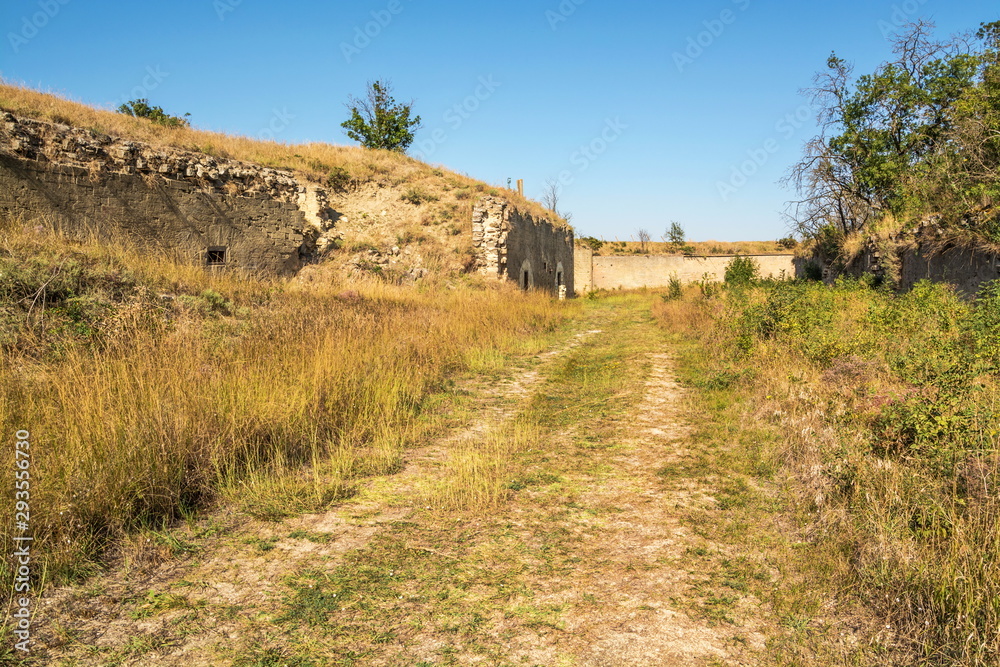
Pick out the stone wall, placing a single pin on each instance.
(966, 268)
(583, 269)
(511, 245)
(635, 271)
(208, 210)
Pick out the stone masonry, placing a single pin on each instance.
(208, 210)
(511, 245)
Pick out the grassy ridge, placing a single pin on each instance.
(341, 166)
(887, 408)
(152, 389)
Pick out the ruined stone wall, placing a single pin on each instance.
(511, 245)
(635, 271)
(206, 209)
(964, 267)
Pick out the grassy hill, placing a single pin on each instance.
(391, 204)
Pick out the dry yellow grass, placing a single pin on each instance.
(700, 248)
(274, 395)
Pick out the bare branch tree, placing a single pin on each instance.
(550, 199)
(644, 237)
(550, 196)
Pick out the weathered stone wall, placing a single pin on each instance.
(206, 209)
(511, 245)
(635, 271)
(964, 267)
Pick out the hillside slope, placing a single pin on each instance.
(397, 217)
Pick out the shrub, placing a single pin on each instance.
(417, 196)
(141, 109)
(742, 271)
(338, 180)
(674, 289)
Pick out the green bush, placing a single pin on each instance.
(338, 180)
(742, 271)
(906, 390)
(142, 109)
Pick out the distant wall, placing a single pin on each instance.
(511, 245)
(635, 271)
(583, 269)
(207, 210)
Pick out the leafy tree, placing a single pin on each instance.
(675, 235)
(378, 121)
(919, 135)
(142, 109)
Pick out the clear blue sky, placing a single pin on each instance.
(506, 90)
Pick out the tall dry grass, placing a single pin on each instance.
(888, 410)
(152, 390)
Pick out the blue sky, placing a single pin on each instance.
(647, 112)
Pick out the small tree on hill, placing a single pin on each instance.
(675, 235)
(141, 108)
(377, 121)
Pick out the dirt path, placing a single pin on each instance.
(635, 581)
(591, 562)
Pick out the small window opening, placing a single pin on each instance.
(216, 256)
(524, 281)
(559, 278)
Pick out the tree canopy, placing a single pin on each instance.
(920, 135)
(378, 121)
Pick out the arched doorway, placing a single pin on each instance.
(526, 277)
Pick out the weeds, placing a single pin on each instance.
(888, 405)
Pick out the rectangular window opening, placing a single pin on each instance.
(216, 256)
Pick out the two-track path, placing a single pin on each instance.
(592, 560)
